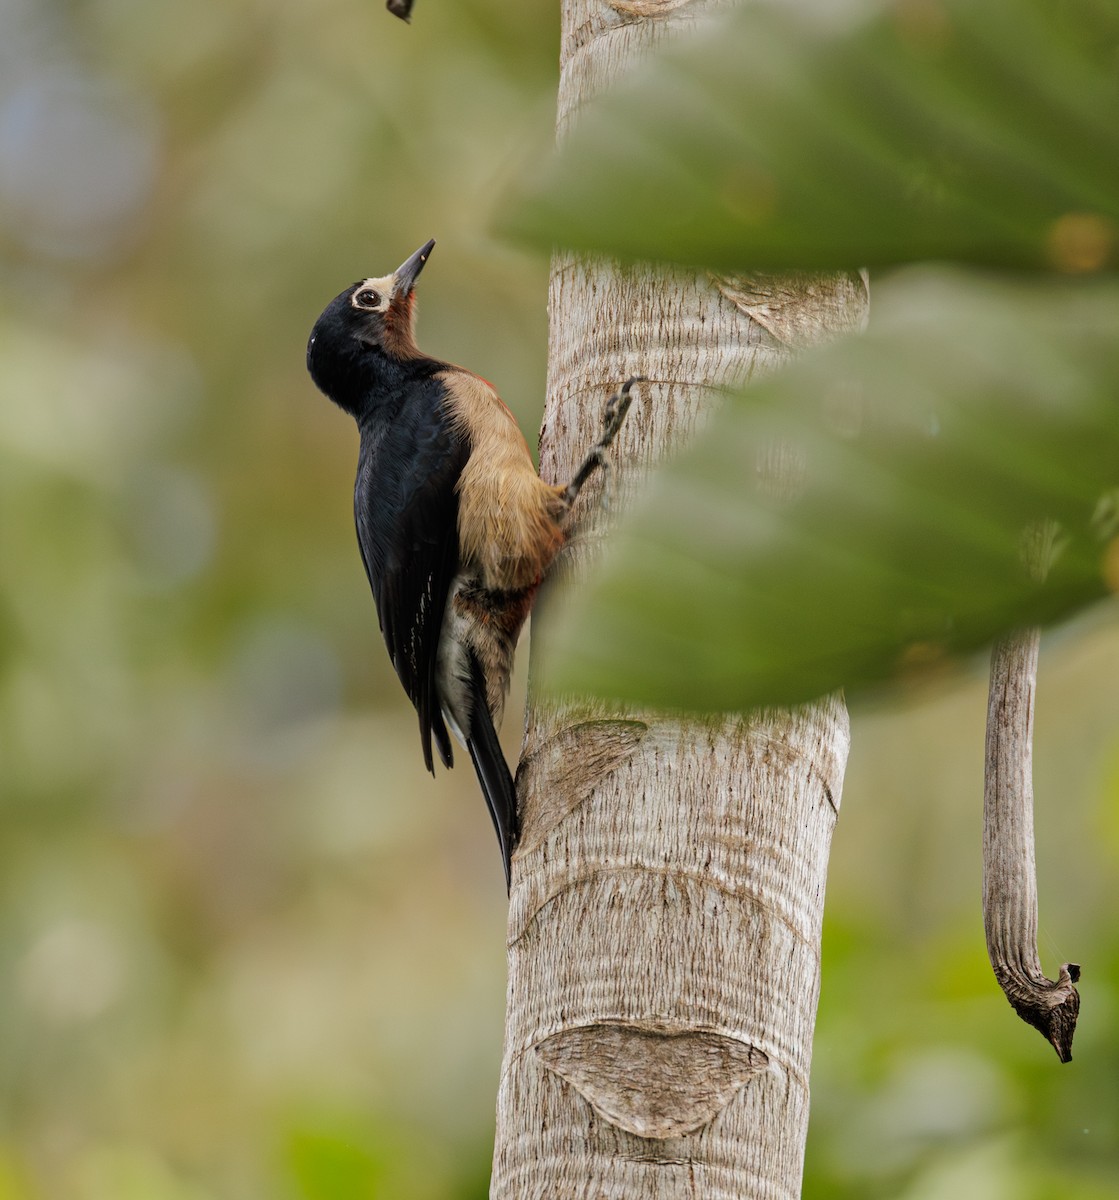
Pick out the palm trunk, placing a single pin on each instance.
(664, 928)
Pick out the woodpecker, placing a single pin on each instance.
(455, 527)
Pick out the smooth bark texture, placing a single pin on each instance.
(1009, 871)
(668, 888)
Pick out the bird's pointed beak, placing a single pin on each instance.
(404, 277)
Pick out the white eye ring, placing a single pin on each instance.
(367, 298)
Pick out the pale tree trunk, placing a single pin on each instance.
(664, 928)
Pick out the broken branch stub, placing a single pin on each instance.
(1009, 870)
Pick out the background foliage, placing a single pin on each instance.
(247, 947)
(883, 133)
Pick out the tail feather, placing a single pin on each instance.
(443, 741)
(493, 775)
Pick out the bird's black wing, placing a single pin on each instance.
(406, 508)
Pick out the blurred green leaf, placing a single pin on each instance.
(13, 1184)
(814, 136)
(912, 463)
(330, 1166)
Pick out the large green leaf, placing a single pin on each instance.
(807, 134)
(918, 459)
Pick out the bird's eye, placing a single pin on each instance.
(367, 298)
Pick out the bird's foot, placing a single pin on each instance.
(598, 458)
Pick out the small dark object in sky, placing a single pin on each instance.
(400, 8)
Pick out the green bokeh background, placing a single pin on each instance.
(248, 948)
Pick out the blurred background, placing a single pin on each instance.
(247, 946)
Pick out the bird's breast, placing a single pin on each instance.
(508, 518)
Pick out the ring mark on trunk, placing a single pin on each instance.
(561, 774)
(652, 1081)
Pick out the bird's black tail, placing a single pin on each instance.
(493, 771)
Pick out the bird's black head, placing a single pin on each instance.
(365, 334)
